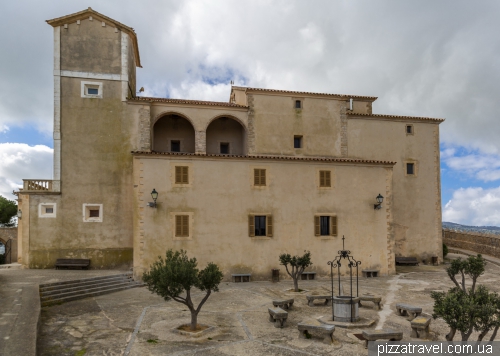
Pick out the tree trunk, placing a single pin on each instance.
(296, 283)
(194, 319)
(482, 335)
(451, 334)
(494, 333)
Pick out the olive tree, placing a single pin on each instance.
(468, 309)
(175, 276)
(297, 265)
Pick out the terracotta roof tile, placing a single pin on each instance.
(269, 157)
(342, 96)
(397, 117)
(186, 101)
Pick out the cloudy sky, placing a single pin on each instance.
(422, 58)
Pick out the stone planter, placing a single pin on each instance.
(342, 307)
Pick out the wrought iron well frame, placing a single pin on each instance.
(351, 262)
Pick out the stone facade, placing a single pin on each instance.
(239, 182)
(486, 244)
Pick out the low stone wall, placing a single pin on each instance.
(486, 244)
(10, 233)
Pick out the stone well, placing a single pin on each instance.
(345, 308)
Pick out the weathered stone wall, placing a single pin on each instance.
(487, 244)
(10, 233)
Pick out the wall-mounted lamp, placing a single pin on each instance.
(379, 199)
(154, 195)
(19, 214)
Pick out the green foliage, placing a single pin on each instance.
(445, 250)
(153, 341)
(8, 209)
(81, 352)
(176, 274)
(297, 265)
(468, 309)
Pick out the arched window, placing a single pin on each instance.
(226, 136)
(173, 133)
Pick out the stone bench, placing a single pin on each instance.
(307, 275)
(370, 298)
(312, 298)
(406, 261)
(277, 316)
(244, 277)
(283, 303)
(420, 327)
(408, 310)
(72, 262)
(370, 272)
(387, 334)
(324, 330)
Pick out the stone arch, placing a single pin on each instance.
(226, 134)
(172, 132)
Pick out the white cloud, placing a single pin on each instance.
(482, 167)
(474, 206)
(21, 161)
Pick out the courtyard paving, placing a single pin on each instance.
(137, 322)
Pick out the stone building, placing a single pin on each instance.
(238, 182)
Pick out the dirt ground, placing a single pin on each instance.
(136, 322)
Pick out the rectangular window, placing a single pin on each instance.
(259, 177)
(325, 179)
(298, 104)
(224, 148)
(49, 210)
(410, 168)
(297, 142)
(181, 175)
(260, 225)
(325, 225)
(175, 146)
(92, 91)
(93, 213)
(409, 129)
(182, 225)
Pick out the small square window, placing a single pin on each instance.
(175, 146)
(298, 104)
(297, 142)
(92, 213)
(224, 148)
(91, 89)
(410, 168)
(409, 129)
(259, 177)
(47, 210)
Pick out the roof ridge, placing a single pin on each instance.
(397, 116)
(282, 158)
(346, 96)
(188, 101)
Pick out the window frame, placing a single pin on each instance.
(228, 144)
(260, 179)
(190, 225)
(42, 212)
(268, 226)
(181, 171)
(87, 207)
(333, 225)
(172, 141)
(301, 142)
(412, 129)
(326, 181)
(85, 85)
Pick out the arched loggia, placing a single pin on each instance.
(173, 133)
(226, 136)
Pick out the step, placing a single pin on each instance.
(83, 286)
(90, 289)
(85, 280)
(87, 283)
(88, 295)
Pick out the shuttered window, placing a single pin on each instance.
(260, 225)
(325, 226)
(181, 175)
(325, 179)
(259, 177)
(182, 225)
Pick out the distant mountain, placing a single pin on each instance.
(483, 229)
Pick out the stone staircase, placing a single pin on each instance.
(61, 292)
